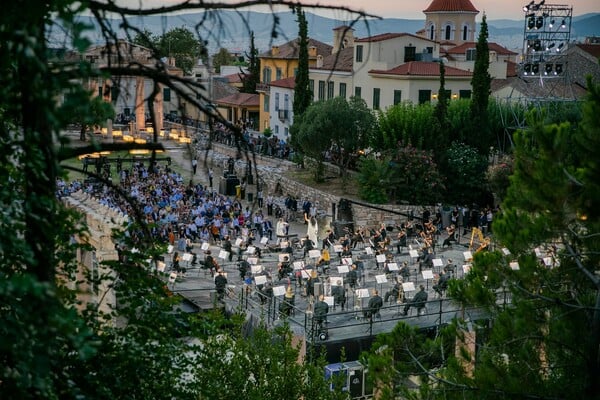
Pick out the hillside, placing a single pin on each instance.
(231, 29)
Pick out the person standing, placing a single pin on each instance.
(210, 177)
(374, 305)
(312, 229)
(321, 310)
(194, 165)
(220, 285)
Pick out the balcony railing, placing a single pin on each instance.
(263, 87)
(283, 115)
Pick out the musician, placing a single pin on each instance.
(442, 283)
(339, 295)
(358, 236)
(284, 268)
(324, 260)
(451, 230)
(395, 292)
(352, 277)
(287, 305)
(375, 304)
(307, 245)
(329, 239)
(401, 240)
(418, 301)
(346, 252)
(321, 310)
(220, 285)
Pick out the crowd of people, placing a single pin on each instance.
(184, 214)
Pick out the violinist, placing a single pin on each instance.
(451, 230)
(401, 240)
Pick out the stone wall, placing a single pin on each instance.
(270, 171)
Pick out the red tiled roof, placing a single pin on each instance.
(422, 68)
(234, 78)
(451, 6)
(240, 99)
(462, 48)
(592, 49)
(291, 49)
(288, 83)
(387, 36)
(340, 61)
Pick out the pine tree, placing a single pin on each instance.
(302, 94)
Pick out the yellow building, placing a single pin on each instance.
(282, 62)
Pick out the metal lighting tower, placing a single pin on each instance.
(546, 36)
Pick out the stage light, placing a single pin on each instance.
(548, 69)
(539, 22)
(535, 69)
(551, 45)
(560, 46)
(526, 7)
(530, 22)
(558, 69)
(527, 69)
(563, 24)
(551, 25)
(537, 45)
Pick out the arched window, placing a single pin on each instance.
(447, 32)
(465, 33)
(432, 32)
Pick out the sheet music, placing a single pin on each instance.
(408, 286)
(343, 269)
(392, 266)
(381, 278)
(260, 279)
(427, 274)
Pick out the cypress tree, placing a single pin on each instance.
(252, 77)
(302, 95)
(481, 84)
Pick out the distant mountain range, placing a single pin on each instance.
(230, 29)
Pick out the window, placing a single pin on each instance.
(342, 90)
(321, 90)
(410, 53)
(447, 32)
(114, 93)
(286, 101)
(266, 75)
(311, 87)
(465, 33)
(429, 50)
(359, 53)
(471, 54)
(397, 96)
(278, 73)
(100, 90)
(464, 94)
(357, 91)
(330, 86)
(166, 94)
(424, 96)
(295, 72)
(276, 129)
(286, 131)
(376, 98)
(432, 32)
(266, 103)
(276, 101)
